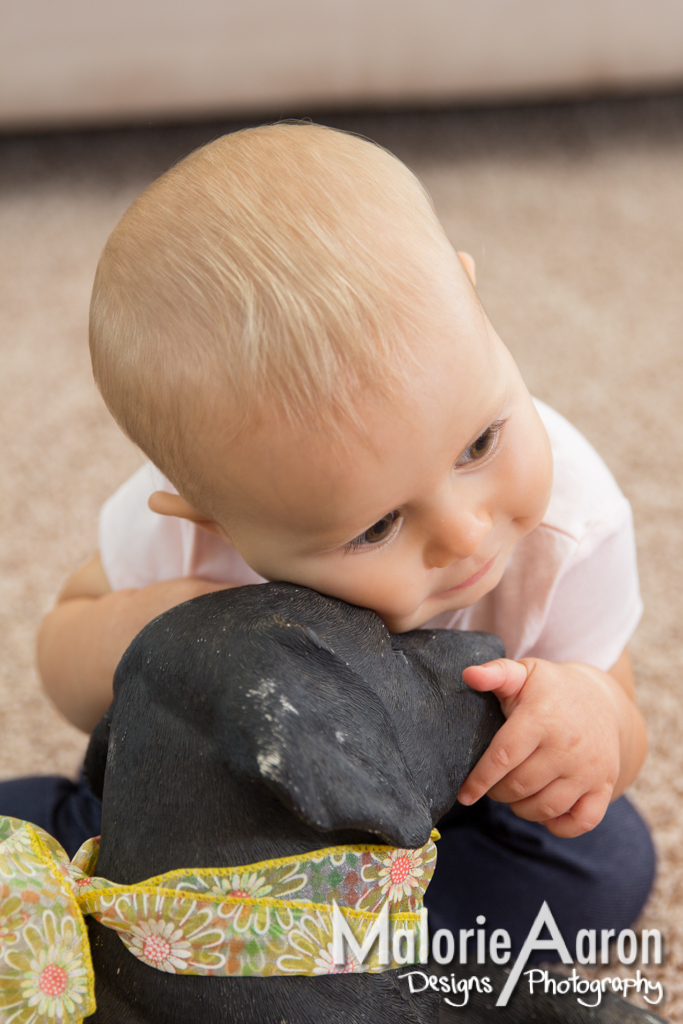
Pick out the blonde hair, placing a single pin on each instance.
(276, 269)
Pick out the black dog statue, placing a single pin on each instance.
(268, 721)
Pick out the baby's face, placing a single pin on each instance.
(421, 517)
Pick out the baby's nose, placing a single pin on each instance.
(456, 536)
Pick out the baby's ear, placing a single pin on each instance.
(166, 504)
(469, 265)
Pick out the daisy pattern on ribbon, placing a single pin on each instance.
(17, 855)
(160, 944)
(52, 977)
(57, 985)
(399, 874)
(12, 917)
(324, 963)
(253, 885)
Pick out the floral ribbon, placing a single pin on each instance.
(274, 917)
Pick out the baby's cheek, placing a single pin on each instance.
(390, 594)
(527, 483)
(395, 604)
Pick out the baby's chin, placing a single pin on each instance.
(415, 620)
(445, 605)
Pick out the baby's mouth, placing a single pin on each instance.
(471, 580)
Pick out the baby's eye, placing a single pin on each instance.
(483, 446)
(378, 531)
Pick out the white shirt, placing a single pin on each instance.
(569, 591)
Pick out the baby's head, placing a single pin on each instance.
(281, 324)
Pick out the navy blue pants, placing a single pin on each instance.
(65, 809)
(490, 862)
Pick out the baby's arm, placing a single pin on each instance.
(82, 639)
(573, 740)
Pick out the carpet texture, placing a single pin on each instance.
(574, 215)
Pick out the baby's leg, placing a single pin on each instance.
(492, 863)
(66, 810)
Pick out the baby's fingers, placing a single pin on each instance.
(503, 676)
(509, 748)
(564, 807)
(586, 813)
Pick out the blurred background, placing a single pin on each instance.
(88, 62)
(550, 135)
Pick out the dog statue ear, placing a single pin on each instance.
(95, 763)
(321, 740)
(447, 725)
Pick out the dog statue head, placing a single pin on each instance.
(249, 721)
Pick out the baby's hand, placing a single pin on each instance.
(557, 758)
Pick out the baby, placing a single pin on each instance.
(282, 326)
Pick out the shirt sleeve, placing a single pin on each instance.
(596, 603)
(139, 547)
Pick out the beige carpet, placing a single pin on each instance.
(575, 216)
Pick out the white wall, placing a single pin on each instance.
(106, 61)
